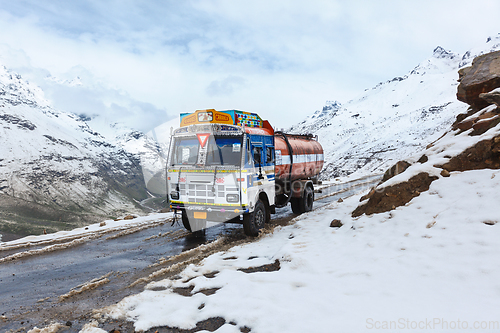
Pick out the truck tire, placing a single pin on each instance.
(256, 220)
(307, 200)
(185, 222)
(304, 203)
(295, 203)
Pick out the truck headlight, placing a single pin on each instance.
(232, 198)
(174, 195)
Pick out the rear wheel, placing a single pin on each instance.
(304, 203)
(307, 200)
(256, 220)
(296, 209)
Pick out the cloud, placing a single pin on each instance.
(281, 59)
(78, 91)
(93, 99)
(225, 86)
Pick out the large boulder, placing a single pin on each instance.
(395, 170)
(482, 77)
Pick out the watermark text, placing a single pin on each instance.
(431, 324)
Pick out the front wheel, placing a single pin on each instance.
(185, 222)
(256, 220)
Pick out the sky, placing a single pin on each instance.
(144, 62)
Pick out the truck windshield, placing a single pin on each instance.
(224, 150)
(185, 151)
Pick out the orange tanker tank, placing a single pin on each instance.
(302, 154)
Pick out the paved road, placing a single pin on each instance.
(31, 288)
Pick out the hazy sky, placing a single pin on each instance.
(143, 62)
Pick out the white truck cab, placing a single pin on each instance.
(221, 168)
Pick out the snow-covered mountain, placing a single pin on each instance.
(150, 148)
(394, 119)
(151, 151)
(54, 167)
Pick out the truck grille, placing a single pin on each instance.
(202, 193)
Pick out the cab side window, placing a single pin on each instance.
(257, 155)
(269, 155)
(249, 159)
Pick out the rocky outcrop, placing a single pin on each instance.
(395, 170)
(482, 77)
(492, 97)
(480, 121)
(484, 155)
(388, 198)
(479, 87)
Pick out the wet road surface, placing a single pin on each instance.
(66, 285)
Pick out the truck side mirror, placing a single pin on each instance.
(256, 156)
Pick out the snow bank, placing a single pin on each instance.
(88, 231)
(431, 264)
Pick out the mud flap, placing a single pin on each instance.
(197, 224)
(194, 221)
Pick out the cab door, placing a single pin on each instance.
(262, 157)
(257, 158)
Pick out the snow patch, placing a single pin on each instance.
(434, 258)
(93, 230)
(52, 328)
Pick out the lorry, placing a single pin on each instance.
(231, 166)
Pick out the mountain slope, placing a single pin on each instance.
(392, 120)
(54, 167)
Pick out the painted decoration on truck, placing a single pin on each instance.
(206, 116)
(222, 118)
(248, 119)
(189, 120)
(203, 138)
(228, 117)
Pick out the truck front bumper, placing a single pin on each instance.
(210, 213)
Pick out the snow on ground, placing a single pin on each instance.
(103, 227)
(431, 264)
